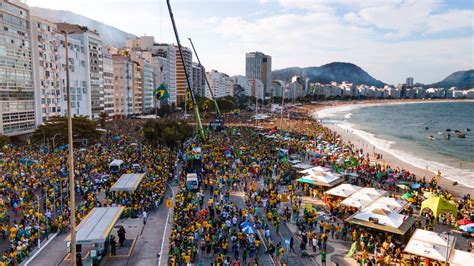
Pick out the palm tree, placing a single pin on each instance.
(103, 116)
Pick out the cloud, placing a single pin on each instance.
(427, 39)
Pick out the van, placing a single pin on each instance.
(192, 182)
(116, 166)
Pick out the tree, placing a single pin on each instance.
(82, 128)
(227, 104)
(171, 133)
(103, 116)
(4, 140)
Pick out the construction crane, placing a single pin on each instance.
(186, 73)
(218, 122)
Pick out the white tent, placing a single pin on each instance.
(315, 170)
(431, 245)
(389, 204)
(461, 258)
(343, 190)
(303, 166)
(381, 216)
(363, 198)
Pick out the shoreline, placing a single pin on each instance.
(388, 158)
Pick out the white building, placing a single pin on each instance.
(92, 45)
(221, 84)
(17, 94)
(244, 83)
(166, 54)
(78, 75)
(46, 66)
(257, 88)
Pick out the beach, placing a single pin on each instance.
(348, 134)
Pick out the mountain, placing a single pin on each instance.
(336, 71)
(461, 79)
(110, 35)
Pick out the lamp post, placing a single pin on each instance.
(70, 29)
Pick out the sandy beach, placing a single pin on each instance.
(347, 135)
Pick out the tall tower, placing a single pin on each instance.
(259, 66)
(17, 93)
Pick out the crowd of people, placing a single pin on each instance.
(257, 161)
(34, 199)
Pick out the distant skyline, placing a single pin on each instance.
(391, 40)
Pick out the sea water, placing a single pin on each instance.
(404, 131)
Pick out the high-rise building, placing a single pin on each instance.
(148, 85)
(199, 81)
(17, 94)
(257, 88)
(137, 86)
(79, 79)
(108, 83)
(46, 66)
(409, 82)
(181, 83)
(259, 66)
(123, 85)
(92, 48)
(221, 84)
(166, 54)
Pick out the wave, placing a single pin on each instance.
(348, 116)
(462, 176)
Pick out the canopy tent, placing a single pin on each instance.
(128, 182)
(402, 229)
(97, 225)
(389, 204)
(294, 162)
(302, 166)
(381, 216)
(431, 245)
(439, 205)
(325, 179)
(315, 170)
(460, 258)
(363, 198)
(343, 190)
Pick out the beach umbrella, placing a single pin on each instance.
(411, 200)
(467, 228)
(403, 182)
(407, 195)
(464, 221)
(245, 224)
(415, 186)
(390, 180)
(116, 138)
(403, 186)
(249, 230)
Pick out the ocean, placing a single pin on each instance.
(404, 131)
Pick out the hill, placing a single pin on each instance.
(460, 79)
(336, 71)
(110, 35)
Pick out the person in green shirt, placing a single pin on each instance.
(323, 257)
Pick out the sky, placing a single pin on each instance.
(390, 39)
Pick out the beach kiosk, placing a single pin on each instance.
(94, 231)
(431, 245)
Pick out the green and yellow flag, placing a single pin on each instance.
(161, 93)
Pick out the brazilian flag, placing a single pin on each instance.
(161, 93)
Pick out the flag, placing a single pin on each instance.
(161, 93)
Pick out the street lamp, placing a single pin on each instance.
(66, 29)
